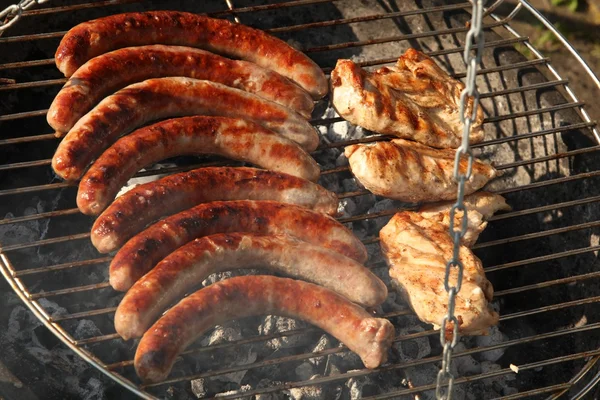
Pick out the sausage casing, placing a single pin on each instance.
(146, 203)
(158, 98)
(142, 252)
(232, 138)
(238, 297)
(92, 38)
(193, 262)
(109, 72)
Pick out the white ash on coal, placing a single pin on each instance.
(324, 343)
(493, 338)
(317, 392)
(265, 383)
(274, 323)
(412, 349)
(360, 387)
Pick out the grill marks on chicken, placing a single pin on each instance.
(480, 207)
(417, 250)
(414, 100)
(411, 172)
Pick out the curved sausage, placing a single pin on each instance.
(246, 296)
(160, 98)
(92, 38)
(192, 263)
(146, 203)
(232, 138)
(142, 252)
(107, 73)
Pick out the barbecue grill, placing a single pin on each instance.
(541, 257)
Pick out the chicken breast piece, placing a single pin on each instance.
(480, 207)
(411, 172)
(416, 250)
(414, 100)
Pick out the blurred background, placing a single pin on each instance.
(579, 21)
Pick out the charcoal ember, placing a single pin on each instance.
(28, 231)
(316, 392)
(341, 131)
(272, 324)
(498, 385)
(323, 344)
(412, 349)
(198, 387)
(240, 391)
(175, 393)
(93, 389)
(202, 388)
(346, 207)
(265, 383)
(350, 185)
(328, 158)
(304, 371)
(342, 160)
(21, 323)
(493, 338)
(330, 182)
(230, 332)
(422, 375)
(464, 365)
(86, 329)
(227, 332)
(345, 360)
(41, 336)
(375, 224)
(361, 386)
(394, 302)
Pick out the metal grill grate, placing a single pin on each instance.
(541, 257)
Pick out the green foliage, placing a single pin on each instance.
(572, 5)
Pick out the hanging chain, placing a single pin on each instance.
(12, 13)
(475, 35)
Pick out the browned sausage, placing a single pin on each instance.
(146, 203)
(159, 98)
(107, 73)
(232, 138)
(246, 296)
(192, 263)
(92, 38)
(142, 252)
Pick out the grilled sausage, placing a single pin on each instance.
(142, 252)
(92, 38)
(107, 73)
(233, 138)
(192, 263)
(246, 296)
(159, 98)
(146, 203)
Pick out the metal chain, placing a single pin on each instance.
(12, 13)
(475, 35)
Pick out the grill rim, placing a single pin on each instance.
(13, 276)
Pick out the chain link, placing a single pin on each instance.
(11, 14)
(474, 36)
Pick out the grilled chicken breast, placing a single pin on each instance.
(414, 100)
(480, 206)
(416, 250)
(411, 172)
